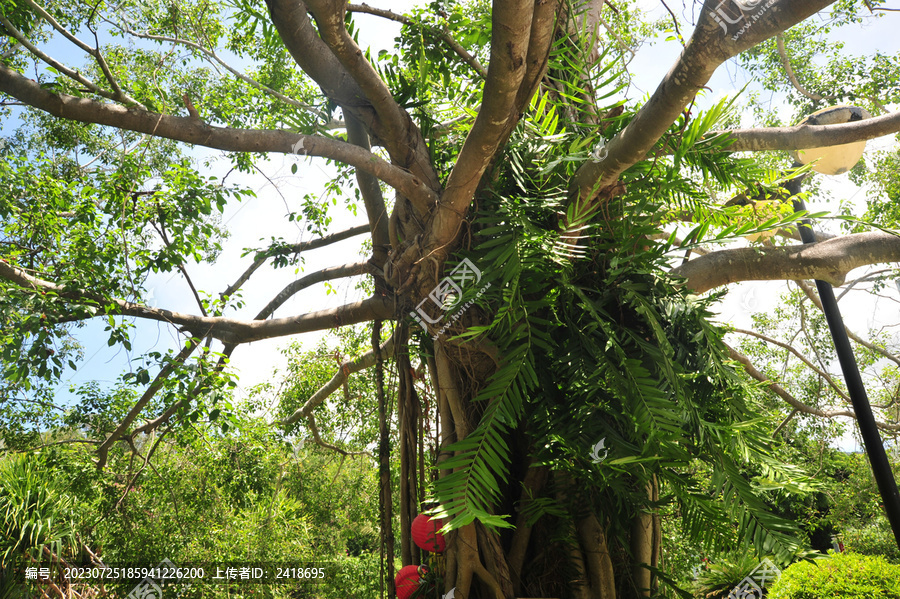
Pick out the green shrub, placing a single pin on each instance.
(844, 575)
(876, 538)
(35, 512)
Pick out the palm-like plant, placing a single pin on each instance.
(724, 575)
(35, 513)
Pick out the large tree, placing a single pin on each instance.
(524, 259)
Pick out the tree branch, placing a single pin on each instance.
(209, 54)
(373, 200)
(329, 16)
(789, 71)
(346, 369)
(707, 49)
(801, 357)
(311, 421)
(164, 417)
(828, 260)
(802, 137)
(357, 90)
(103, 450)
(227, 330)
(117, 94)
(441, 33)
(812, 295)
(74, 75)
(193, 131)
(326, 274)
(510, 35)
(867, 277)
(790, 399)
(295, 249)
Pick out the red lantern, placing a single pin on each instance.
(425, 534)
(408, 580)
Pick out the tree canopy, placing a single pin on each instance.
(544, 251)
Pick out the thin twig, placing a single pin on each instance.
(785, 61)
(800, 356)
(209, 54)
(311, 421)
(878, 350)
(441, 33)
(674, 22)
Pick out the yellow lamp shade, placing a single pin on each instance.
(761, 236)
(764, 210)
(833, 160)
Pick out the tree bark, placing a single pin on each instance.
(828, 260)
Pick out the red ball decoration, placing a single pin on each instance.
(425, 534)
(408, 580)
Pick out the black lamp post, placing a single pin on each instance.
(835, 160)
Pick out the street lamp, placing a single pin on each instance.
(834, 160)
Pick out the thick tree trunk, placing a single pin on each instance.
(562, 557)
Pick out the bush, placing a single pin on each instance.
(876, 538)
(844, 575)
(35, 512)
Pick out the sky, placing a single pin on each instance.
(255, 220)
